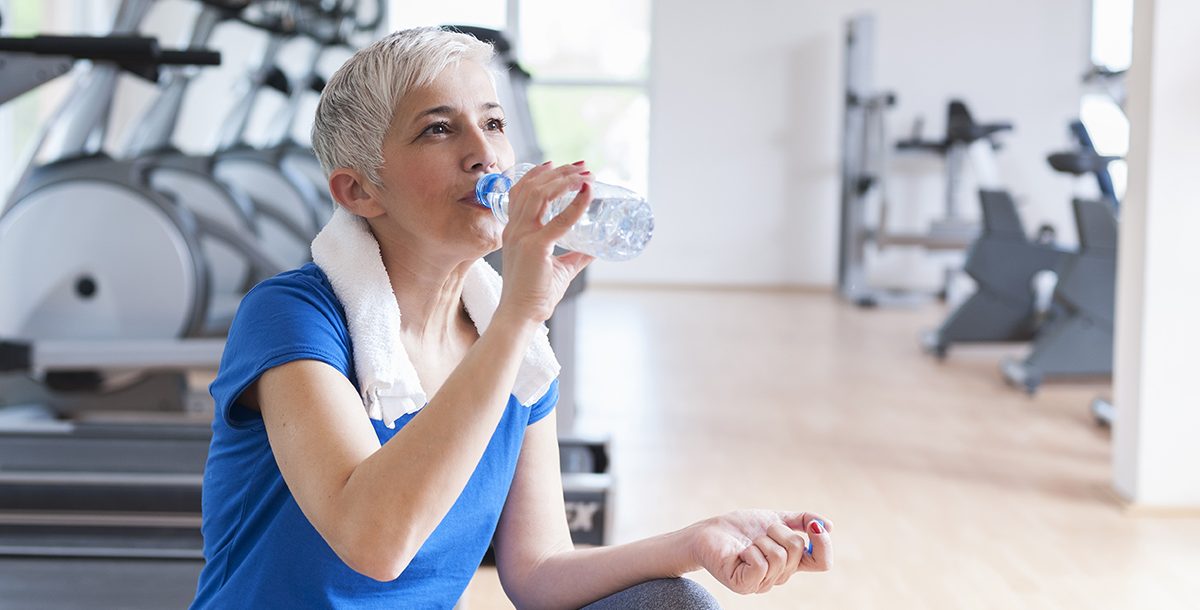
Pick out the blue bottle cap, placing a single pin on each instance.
(491, 183)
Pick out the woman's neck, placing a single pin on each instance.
(428, 291)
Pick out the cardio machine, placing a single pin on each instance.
(281, 233)
(64, 275)
(1078, 340)
(189, 180)
(58, 520)
(282, 177)
(864, 175)
(106, 286)
(1005, 264)
(96, 277)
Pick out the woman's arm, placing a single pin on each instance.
(534, 553)
(747, 551)
(376, 506)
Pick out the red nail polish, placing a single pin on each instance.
(815, 527)
(585, 173)
(578, 163)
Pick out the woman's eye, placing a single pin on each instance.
(438, 129)
(497, 124)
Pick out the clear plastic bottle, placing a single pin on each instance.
(616, 227)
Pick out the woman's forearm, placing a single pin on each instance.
(400, 494)
(575, 578)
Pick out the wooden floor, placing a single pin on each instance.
(949, 490)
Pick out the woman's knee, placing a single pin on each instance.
(663, 594)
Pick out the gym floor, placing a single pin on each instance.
(947, 488)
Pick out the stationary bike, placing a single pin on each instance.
(1004, 262)
(1078, 341)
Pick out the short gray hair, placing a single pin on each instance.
(360, 99)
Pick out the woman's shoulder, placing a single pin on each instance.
(306, 284)
(294, 303)
(307, 276)
(292, 316)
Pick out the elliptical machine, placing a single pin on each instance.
(61, 273)
(228, 214)
(43, 508)
(273, 175)
(105, 286)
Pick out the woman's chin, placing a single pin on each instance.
(483, 238)
(473, 234)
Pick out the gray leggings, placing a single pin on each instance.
(665, 594)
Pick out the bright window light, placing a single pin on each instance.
(607, 126)
(1112, 33)
(1106, 124)
(1109, 129)
(570, 40)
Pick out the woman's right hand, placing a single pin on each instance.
(534, 278)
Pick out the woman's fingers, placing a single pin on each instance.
(525, 191)
(574, 262)
(530, 198)
(801, 521)
(821, 557)
(773, 545)
(566, 179)
(794, 544)
(777, 561)
(559, 225)
(749, 574)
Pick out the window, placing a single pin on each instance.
(19, 117)
(1102, 107)
(589, 63)
(1112, 33)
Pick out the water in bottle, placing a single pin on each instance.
(616, 227)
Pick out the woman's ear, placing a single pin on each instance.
(355, 193)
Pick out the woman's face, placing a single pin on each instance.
(442, 139)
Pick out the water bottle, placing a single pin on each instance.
(616, 227)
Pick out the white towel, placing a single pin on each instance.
(349, 255)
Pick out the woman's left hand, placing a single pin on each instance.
(750, 551)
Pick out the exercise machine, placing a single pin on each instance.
(1078, 340)
(1005, 262)
(59, 515)
(864, 171)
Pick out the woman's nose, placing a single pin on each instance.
(481, 154)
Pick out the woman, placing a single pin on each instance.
(308, 502)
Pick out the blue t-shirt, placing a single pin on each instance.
(260, 550)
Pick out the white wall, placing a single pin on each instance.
(1154, 434)
(745, 120)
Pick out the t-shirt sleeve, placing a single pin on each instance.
(544, 405)
(286, 318)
